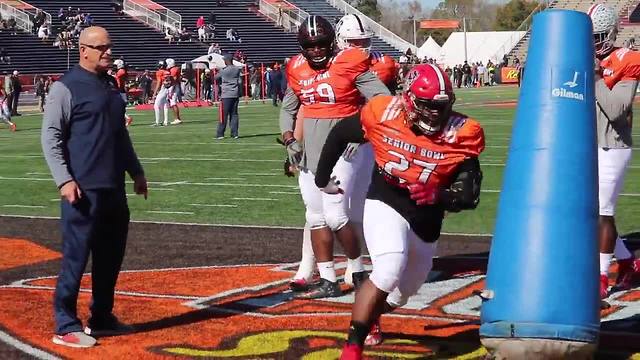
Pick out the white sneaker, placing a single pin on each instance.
(76, 339)
(176, 122)
(165, 124)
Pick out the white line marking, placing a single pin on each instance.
(161, 189)
(285, 192)
(37, 173)
(223, 178)
(170, 212)
(23, 206)
(215, 205)
(172, 183)
(254, 199)
(26, 348)
(260, 174)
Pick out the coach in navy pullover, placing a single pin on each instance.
(88, 150)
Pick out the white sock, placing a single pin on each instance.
(605, 261)
(327, 270)
(620, 251)
(355, 265)
(308, 261)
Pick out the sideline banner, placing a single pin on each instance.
(508, 75)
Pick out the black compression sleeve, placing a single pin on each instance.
(464, 192)
(346, 131)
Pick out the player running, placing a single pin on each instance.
(5, 112)
(426, 159)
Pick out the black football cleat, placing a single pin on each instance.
(299, 285)
(323, 289)
(359, 278)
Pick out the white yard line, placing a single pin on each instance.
(23, 206)
(285, 192)
(26, 348)
(223, 178)
(254, 199)
(170, 212)
(215, 205)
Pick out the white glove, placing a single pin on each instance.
(333, 187)
(294, 151)
(350, 151)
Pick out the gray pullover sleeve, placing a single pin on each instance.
(617, 102)
(370, 85)
(54, 132)
(288, 111)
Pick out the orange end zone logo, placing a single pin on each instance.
(247, 312)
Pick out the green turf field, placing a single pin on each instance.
(197, 179)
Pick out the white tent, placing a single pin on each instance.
(213, 61)
(481, 46)
(430, 49)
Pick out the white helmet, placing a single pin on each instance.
(119, 63)
(351, 27)
(605, 27)
(170, 63)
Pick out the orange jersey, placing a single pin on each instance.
(330, 93)
(621, 64)
(409, 158)
(161, 74)
(384, 67)
(121, 79)
(175, 73)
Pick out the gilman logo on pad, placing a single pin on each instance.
(568, 89)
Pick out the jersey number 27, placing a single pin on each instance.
(403, 165)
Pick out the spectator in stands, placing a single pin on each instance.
(38, 19)
(184, 34)
(200, 22)
(220, 2)
(88, 19)
(40, 91)
(230, 35)
(202, 34)
(62, 15)
(17, 89)
(43, 32)
(117, 7)
(505, 60)
(4, 56)
(11, 26)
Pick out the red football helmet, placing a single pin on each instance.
(428, 96)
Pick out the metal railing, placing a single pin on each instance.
(159, 18)
(289, 17)
(23, 20)
(380, 31)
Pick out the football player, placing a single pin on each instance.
(121, 82)
(174, 70)
(5, 112)
(161, 73)
(350, 32)
(330, 89)
(617, 73)
(165, 99)
(426, 159)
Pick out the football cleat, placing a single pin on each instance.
(323, 289)
(358, 278)
(128, 120)
(628, 273)
(351, 352)
(12, 127)
(604, 286)
(375, 335)
(303, 284)
(176, 122)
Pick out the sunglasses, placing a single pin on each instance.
(101, 48)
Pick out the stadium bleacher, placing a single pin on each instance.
(262, 40)
(627, 30)
(323, 8)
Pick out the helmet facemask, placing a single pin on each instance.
(604, 41)
(428, 115)
(318, 53)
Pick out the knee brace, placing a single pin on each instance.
(387, 270)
